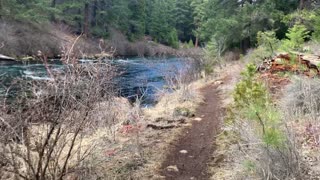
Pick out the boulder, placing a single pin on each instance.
(182, 111)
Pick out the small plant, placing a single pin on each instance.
(190, 44)
(259, 125)
(316, 28)
(249, 91)
(173, 40)
(252, 99)
(295, 38)
(249, 165)
(213, 53)
(268, 40)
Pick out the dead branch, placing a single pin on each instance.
(161, 127)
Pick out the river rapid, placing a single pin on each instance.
(137, 75)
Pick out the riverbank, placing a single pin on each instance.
(25, 41)
(125, 138)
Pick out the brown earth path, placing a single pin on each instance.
(197, 141)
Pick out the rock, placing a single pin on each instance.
(218, 82)
(182, 111)
(183, 151)
(279, 61)
(198, 119)
(219, 158)
(172, 168)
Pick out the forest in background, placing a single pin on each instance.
(228, 23)
(76, 127)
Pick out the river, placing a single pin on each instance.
(138, 75)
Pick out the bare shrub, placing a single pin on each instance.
(312, 47)
(233, 55)
(302, 98)
(43, 130)
(180, 92)
(7, 38)
(259, 160)
(301, 105)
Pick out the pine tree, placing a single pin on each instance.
(137, 19)
(184, 19)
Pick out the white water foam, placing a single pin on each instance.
(39, 78)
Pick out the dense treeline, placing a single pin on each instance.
(163, 20)
(227, 23)
(234, 23)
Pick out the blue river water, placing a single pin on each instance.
(138, 75)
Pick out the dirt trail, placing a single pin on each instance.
(193, 150)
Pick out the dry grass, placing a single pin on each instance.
(226, 164)
(300, 104)
(187, 97)
(312, 47)
(239, 149)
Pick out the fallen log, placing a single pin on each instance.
(6, 58)
(302, 63)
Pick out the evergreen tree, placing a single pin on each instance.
(137, 19)
(183, 13)
(161, 26)
(233, 23)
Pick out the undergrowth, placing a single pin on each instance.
(267, 150)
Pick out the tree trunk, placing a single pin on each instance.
(301, 5)
(197, 42)
(305, 4)
(86, 20)
(245, 45)
(1, 6)
(94, 13)
(53, 5)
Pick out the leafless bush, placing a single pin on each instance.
(180, 93)
(42, 130)
(180, 77)
(7, 38)
(232, 55)
(312, 47)
(267, 162)
(302, 98)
